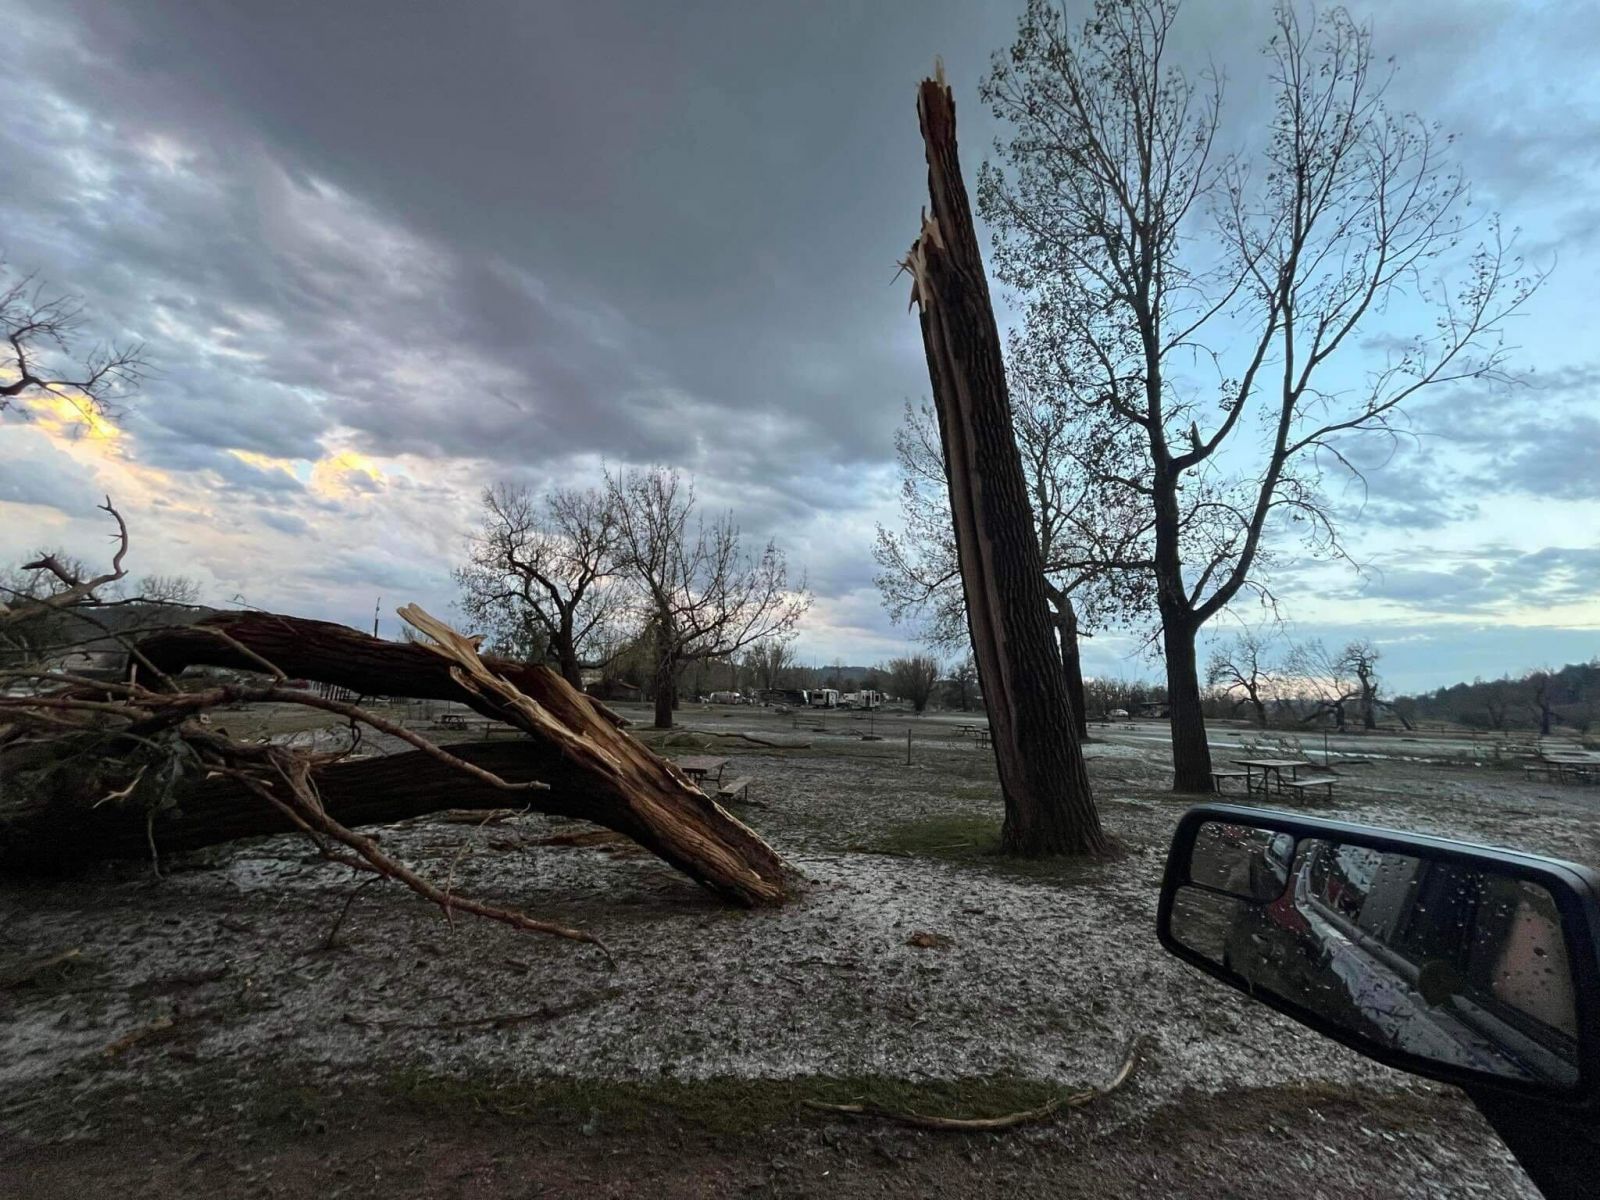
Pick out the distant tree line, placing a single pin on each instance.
(1548, 701)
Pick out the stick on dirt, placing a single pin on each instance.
(990, 1124)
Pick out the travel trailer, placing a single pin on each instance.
(824, 697)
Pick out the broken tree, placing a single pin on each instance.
(1049, 807)
(590, 768)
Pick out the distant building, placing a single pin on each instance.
(615, 689)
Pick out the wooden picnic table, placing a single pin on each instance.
(698, 766)
(1273, 767)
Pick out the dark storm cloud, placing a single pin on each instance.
(660, 232)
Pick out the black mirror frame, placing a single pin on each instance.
(1575, 889)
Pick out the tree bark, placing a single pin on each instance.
(1049, 806)
(59, 833)
(665, 701)
(567, 655)
(1191, 755)
(596, 770)
(1066, 618)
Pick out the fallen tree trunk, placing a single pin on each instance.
(594, 770)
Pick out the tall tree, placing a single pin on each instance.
(700, 594)
(1043, 779)
(964, 684)
(541, 574)
(1147, 261)
(914, 678)
(768, 661)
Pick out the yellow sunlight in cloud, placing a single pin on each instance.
(263, 462)
(66, 418)
(345, 473)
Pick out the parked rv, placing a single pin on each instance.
(824, 697)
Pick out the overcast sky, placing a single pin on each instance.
(385, 253)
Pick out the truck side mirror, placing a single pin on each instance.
(1475, 966)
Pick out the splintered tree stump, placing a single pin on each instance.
(593, 769)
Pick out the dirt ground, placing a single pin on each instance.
(209, 1037)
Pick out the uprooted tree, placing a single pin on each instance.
(101, 768)
(1043, 778)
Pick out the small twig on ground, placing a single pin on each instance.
(331, 942)
(991, 1124)
(581, 837)
(472, 816)
(128, 1040)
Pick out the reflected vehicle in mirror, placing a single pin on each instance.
(1464, 963)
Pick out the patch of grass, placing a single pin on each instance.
(722, 1106)
(974, 841)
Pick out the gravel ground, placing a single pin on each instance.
(194, 995)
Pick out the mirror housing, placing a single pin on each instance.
(1248, 853)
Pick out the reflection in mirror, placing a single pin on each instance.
(1241, 861)
(1451, 962)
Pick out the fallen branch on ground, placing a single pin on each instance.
(759, 741)
(990, 1124)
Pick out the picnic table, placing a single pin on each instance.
(1578, 765)
(451, 721)
(1271, 769)
(698, 766)
(978, 733)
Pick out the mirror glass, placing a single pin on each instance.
(1449, 961)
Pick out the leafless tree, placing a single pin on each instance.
(1148, 261)
(1323, 678)
(38, 360)
(1242, 670)
(964, 684)
(177, 590)
(914, 679)
(1094, 543)
(701, 595)
(767, 661)
(1360, 659)
(541, 574)
(1544, 691)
